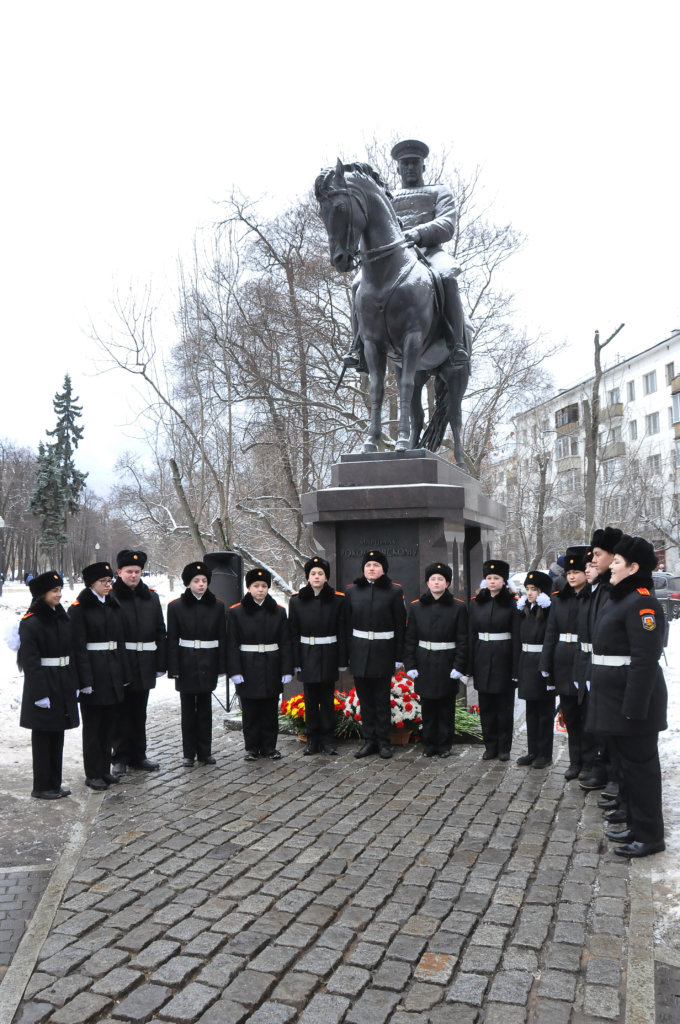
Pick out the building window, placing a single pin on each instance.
(677, 454)
(649, 383)
(610, 469)
(671, 421)
(670, 372)
(569, 481)
(654, 507)
(633, 430)
(566, 446)
(652, 423)
(654, 463)
(676, 408)
(630, 390)
(613, 396)
(567, 415)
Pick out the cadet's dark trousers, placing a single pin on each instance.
(574, 715)
(496, 711)
(637, 761)
(374, 697)
(48, 751)
(319, 712)
(129, 736)
(196, 724)
(98, 728)
(260, 724)
(540, 717)
(593, 746)
(439, 723)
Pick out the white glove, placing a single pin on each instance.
(549, 688)
(576, 684)
(398, 665)
(87, 690)
(588, 685)
(412, 673)
(342, 668)
(455, 674)
(11, 636)
(43, 703)
(222, 679)
(286, 679)
(544, 674)
(159, 674)
(237, 680)
(298, 670)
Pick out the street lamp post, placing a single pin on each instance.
(96, 551)
(2, 563)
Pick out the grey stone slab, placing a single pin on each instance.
(502, 1013)
(366, 954)
(154, 954)
(221, 969)
(602, 1001)
(557, 985)
(250, 987)
(320, 961)
(142, 1003)
(422, 997)
(480, 959)
(406, 947)
(603, 971)
(436, 968)
(176, 970)
(117, 982)
(104, 960)
(63, 990)
(511, 987)
(296, 988)
(393, 974)
(189, 1004)
(85, 1007)
(273, 1013)
(468, 988)
(274, 958)
(374, 1005)
(348, 981)
(33, 1012)
(325, 1009)
(549, 1011)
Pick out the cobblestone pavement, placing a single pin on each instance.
(20, 893)
(326, 890)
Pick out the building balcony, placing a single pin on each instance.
(568, 428)
(614, 450)
(675, 385)
(568, 462)
(676, 431)
(612, 412)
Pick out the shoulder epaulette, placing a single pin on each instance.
(417, 600)
(340, 593)
(554, 592)
(27, 615)
(515, 597)
(643, 590)
(152, 589)
(234, 605)
(396, 584)
(474, 597)
(459, 599)
(74, 603)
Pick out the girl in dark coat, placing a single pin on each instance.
(628, 697)
(317, 625)
(99, 650)
(197, 655)
(562, 652)
(532, 685)
(436, 655)
(493, 656)
(48, 705)
(259, 663)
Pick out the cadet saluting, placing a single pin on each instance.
(628, 695)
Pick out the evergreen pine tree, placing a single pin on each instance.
(59, 484)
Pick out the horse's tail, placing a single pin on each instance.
(433, 434)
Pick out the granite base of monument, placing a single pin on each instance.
(415, 507)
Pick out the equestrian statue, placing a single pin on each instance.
(406, 303)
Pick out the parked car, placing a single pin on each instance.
(667, 593)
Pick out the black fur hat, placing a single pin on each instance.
(375, 556)
(127, 557)
(195, 569)
(40, 585)
(258, 576)
(439, 567)
(496, 567)
(542, 580)
(96, 571)
(317, 563)
(637, 549)
(575, 558)
(607, 539)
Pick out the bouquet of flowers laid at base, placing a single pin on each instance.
(404, 703)
(292, 711)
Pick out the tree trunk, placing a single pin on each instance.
(182, 498)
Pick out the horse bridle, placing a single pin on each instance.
(368, 255)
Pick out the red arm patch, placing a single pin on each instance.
(643, 590)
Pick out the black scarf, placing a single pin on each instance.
(189, 598)
(251, 606)
(382, 583)
(427, 598)
(307, 593)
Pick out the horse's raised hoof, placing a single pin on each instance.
(369, 447)
(402, 445)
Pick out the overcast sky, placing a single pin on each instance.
(124, 124)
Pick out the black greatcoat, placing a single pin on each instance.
(320, 616)
(493, 663)
(250, 623)
(375, 607)
(559, 656)
(195, 669)
(94, 621)
(142, 623)
(531, 685)
(46, 633)
(442, 620)
(629, 700)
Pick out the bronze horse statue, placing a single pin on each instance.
(396, 307)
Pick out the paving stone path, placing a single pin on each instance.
(324, 890)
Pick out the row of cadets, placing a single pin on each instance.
(436, 655)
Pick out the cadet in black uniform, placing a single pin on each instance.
(628, 697)
(436, 655)
(493, 657)
(317, 624)
(48, 703)
(532, 686)
(99, 650)
(561, 649)
(145, 660)
(376, 624)
(259, 662)
(197, 655)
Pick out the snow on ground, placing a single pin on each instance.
(15, 746)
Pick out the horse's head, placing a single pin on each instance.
(343, 211)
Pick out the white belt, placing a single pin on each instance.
(199, 643)
(259, 648)
(569, 638)
(587, 648)
(314, 640)
(434, 645)
(495, 636)
(139, 646)
(55, 662)
(370, 635)
(106, 645)
(617, 660)
(532, 648)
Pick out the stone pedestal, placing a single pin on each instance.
(415, 507)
